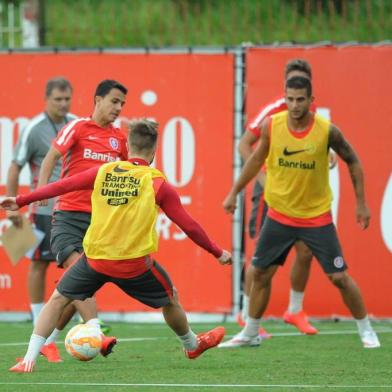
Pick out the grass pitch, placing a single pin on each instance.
(148, 357)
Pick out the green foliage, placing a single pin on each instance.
(120, 23)
(334, 357)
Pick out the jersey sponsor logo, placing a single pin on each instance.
(92, 137)
(98, 156)
(338, 262)
(117, 202)
(297, 165)
(114, 143)
(286, 152)
(117, 169)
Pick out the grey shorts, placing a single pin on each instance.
(276, 240)
(153, 288)
(68, 230)
(43, 223)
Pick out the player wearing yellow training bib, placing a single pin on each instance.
(295, 146)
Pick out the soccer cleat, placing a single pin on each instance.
(51, 352)
(105, 328)
(241, 340)
(23, 367)
(108, 342)
(206, 341)
(300, 321)
(370, 339)
(262, 332)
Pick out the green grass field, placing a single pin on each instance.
(148, 357)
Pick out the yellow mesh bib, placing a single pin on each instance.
(298, 169)
(124, 212)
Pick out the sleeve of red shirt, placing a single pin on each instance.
(67, 137)
(77, 182)
(168, 199)
(267, 110)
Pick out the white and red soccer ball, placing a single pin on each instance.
(83, 342)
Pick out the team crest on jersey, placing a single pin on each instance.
(338, 262)
(114, 143)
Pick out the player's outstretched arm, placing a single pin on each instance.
(345, 151)
(168, 199)
(251, 168)
(81, 181)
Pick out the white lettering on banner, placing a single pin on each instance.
(7, 127)
(178, 128)
(333, 174)
(5, 281)
(164, 224)
(386, 215)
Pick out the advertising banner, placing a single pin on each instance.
(352, 88)
(191, 96)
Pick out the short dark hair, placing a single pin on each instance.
(107, 85)
(60, 83)
(299, 82)
(298, 65)
(143, 135)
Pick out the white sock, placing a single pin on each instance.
(189, 340)
(35, 310)
(53, 336)
(252, 327)
(296, 300)
(35, 344)
(245, 307)
(94, 322)
(364, 325)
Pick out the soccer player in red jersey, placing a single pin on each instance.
(83, 144)
(301, 266)
(120, 239)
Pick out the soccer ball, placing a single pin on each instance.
(83, 342)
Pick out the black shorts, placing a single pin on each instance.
(68, 230)
(153, 288)
(276, 240)
(43, 223)
(258, 211)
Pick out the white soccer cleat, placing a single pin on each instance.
(370, 340)
(241, 340)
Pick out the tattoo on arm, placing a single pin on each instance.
(341, 146)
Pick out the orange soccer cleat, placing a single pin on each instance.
(51, 352)
(300, 321)
(206, 341)
(23, 367)
(108, 342)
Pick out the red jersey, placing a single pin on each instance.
(84, 145)
(276, 106)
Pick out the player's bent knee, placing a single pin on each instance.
(58, 299)
(340, 280)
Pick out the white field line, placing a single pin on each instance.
(301, 386)
(277, 334)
